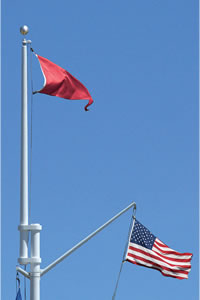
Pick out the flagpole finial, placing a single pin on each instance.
(24, 29)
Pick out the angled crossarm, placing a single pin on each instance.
(61, 258)
(23, 272)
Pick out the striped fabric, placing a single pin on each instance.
(146, 250)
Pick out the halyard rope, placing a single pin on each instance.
(125, 250)
(31, 135)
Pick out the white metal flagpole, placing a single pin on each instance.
(34, 260)
(24, 155)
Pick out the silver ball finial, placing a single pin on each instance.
(24, 29)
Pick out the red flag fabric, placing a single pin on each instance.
(59, 82)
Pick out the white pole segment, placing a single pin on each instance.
(35, 263)
(24, 140)
(24, 159)
(24, 227)
(48, 268)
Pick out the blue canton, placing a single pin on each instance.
(142, 236)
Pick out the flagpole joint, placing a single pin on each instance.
(23, 272)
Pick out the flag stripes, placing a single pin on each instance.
(164, 272)
(170, 263)
(146, 250)
(161, 247)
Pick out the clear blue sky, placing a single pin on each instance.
(138, 142)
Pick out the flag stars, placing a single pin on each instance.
(142, 236)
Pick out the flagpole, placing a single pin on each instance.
(34, 260)
(24, 155)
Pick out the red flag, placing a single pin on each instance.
(58, 82)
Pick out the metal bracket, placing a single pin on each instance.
(28, 260)
(31, 227)
(25, 42)
(23, 272)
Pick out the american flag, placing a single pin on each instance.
(146, 250)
